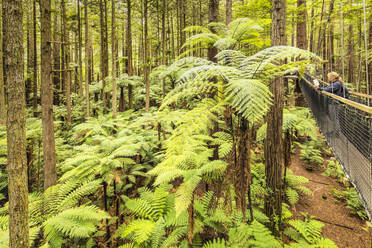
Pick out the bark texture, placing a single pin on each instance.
(301, 42)
(147, 59)
(213, 17)
(16, 123)
(228, 11)
(273, 142)
(50, 174)
(104, 48)
(129, 53)
(2, 83)
(114, 52)
(87, 58)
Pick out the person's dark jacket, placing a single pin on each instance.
(336, 88)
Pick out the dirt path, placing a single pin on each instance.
(345, 230)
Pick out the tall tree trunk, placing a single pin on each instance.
(129, 53)
(213, 17)
(66, 66)
(50, 174)
(16, 123)
(350, 52)
(87, 58)
(301, 42)
(147, 59)
(273, 142)
(301, 39)
(228, 11)
(164, 7)
(34, 78)
(28, 81)
(114, 52)
(331, 51)
(2, 83)
(104, 49)
(80, 63)
(56, 58)
(312, 31)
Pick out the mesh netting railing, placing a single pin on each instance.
(347, 128)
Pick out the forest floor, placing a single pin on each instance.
(340, 226)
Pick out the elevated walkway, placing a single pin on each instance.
(347, 126)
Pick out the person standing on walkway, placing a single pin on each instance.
(337, 86)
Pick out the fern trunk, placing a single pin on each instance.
(213, 17)
(190, 211)
(242, 174)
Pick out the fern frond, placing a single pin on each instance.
(251, 98)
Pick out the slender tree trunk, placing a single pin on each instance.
(301, 32)
(147, 59)
(213, 17)
(164, 7)
(66, 60)
(56, 58)
(114, 52)
(228, 11)
(50, 174)
(321, 38)
(350, 67)
(104, 49)
(29, 57)
(87, 58)
(273, 142)
(2, 83)
(129, 53)
(312, 31)
(16, 123)
(301, 42)
(34, 79)
(80, 63)
(331, 51)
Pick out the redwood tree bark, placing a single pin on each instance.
(301, 32)
(104, 48)
(273, 142)
(50, 174)
(16, 123)
(66, 62)
(350, 52)
(2, 84)
(34, 89)
(163, 40)
(301, 42)
(56, 58)
(228, 11)
(147, 59)
(114, 52)
(87, 58)
(79, 52)
(129, 53)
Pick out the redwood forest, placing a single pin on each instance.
(186, 123)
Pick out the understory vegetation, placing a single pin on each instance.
(187, 141)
